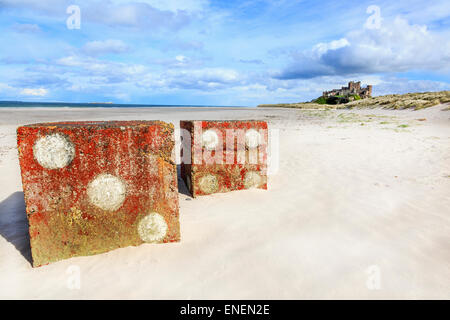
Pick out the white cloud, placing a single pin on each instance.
(396, 47)
(180, 58)
(321, 48)
(179, 61)
(193, 79)
(104, 47)
(40, 92)
(390, 85)
(139, 15)
(93, 66)
(5, 87)
(136, 14)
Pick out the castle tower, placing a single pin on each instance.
(369, 90)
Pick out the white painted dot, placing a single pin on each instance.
(107, 192)
(252, 138)
(54, 151)
(252, 180)
(152, 228)
(208, 183)
(210, 139)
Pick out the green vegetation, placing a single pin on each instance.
(349, 117)
(320, 100)
(337, 100)
(324, 113)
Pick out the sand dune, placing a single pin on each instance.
(415, 101)
(358, 208)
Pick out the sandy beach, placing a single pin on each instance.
(358, 209)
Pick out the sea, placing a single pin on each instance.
(21, 104)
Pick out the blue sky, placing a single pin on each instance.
(204, 52)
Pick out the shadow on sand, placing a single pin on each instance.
(182, 188)
(14, 223)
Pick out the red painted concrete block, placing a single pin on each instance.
(91, 187)
(222, 156)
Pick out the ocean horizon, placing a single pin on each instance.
(25, 104)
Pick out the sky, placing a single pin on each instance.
(229, 53)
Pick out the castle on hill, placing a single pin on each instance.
(354, 88)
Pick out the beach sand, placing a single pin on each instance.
(358, 208)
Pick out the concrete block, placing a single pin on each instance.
(91, 187)
(222, 156)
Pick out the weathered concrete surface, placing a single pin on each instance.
(91, 187)
(224, 156)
